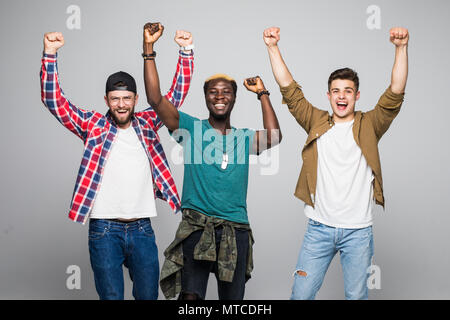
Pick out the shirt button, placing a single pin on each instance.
(317, 134)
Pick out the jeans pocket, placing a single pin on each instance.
(97, 232)
(147, 229)
(365, 233)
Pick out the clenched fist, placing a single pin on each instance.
(399, 36)
(183, 38)
(52, 42)
(152, 32)
(254, 84)
(271, 36)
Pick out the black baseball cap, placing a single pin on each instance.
(121, 76)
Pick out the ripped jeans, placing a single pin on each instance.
(320, 244)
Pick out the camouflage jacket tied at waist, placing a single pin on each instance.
(204, 250)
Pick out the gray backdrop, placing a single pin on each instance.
(40, 158)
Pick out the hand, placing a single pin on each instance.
(183, 38)
(52, 42)
(271, 36)
(399, 36)
(254, 84)
(152, 32)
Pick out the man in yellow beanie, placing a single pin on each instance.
(214, 234)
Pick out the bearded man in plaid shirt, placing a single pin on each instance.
(122, 170)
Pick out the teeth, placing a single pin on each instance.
(219, 105)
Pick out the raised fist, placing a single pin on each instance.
(399, 36)
(52, 42)
(271, 36)
(254, 84)
(152, 32)
(183, 38)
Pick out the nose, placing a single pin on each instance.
(121, 103)
(219, 95)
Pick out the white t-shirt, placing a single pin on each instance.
(344, 189)
(126, 189)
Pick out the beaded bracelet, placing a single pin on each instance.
(263, 92)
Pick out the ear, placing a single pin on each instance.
(329, 96)
(136, 98)
(357, 95)
(106, 100)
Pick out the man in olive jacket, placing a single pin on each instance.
(341, 174)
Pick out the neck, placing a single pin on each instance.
(348, 118)
(124, 126)
(220, 125)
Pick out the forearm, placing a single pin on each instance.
(182, 79)
(271, 136)
(151, 79)
(400, 69)
(52, 97)
(270, 120)
(165, 110)
(280, 71)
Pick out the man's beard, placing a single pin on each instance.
(124, 121)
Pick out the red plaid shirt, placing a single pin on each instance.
(98, 132)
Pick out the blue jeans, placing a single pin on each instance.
(113, 244)
(320, 244)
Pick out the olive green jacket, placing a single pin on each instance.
(368, 128)
(204, 250)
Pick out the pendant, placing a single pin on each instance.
(224, 161)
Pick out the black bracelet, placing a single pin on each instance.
(150, 55)
(263, 92)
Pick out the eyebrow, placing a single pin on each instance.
(344, 88)
(223, 88)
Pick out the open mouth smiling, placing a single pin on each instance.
(219, 106)
(341, 105)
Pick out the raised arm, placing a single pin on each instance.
(52, 96)
(303, 111)
(390, 102)
(280, 71)
(271, 136)
(399, 37)
(166, 107)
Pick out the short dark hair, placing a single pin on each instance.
(232, 82)
(344, 74)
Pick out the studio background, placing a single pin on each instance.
(40, 158)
